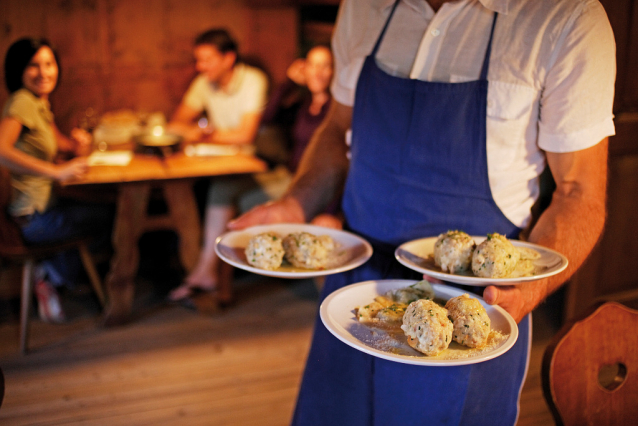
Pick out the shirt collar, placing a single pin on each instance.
(235, 80)
(500, 6)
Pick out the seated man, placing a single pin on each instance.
(232, 95)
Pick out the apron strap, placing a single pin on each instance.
(385, 27)
(488, 51)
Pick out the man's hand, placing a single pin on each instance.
(518, 300)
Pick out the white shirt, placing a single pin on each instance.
(246, 93)
(551, 74)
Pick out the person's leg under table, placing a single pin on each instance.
(185, 217)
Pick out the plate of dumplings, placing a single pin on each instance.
(289, 250)
(493, 259)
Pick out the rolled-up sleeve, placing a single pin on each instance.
(577, 100)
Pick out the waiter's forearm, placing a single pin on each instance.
(324, 166)
(571, 225)
(574, 220)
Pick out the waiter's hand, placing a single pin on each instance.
(285, 210)
(517, 300)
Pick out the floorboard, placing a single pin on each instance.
(174, 366)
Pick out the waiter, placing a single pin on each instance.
(455, 108)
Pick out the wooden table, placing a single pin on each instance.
(174, 175)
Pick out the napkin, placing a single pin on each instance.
(211, 150)
(110, 158)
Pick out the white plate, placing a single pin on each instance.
(337, 314)
(351, 251)
(418, 255)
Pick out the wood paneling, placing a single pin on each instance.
(138, 55)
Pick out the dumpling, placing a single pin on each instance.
(265, 251)
(453, 251)
(305, 250)
(471, 323)
(495, 257)
(427, 327)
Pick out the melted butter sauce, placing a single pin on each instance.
(390, 338)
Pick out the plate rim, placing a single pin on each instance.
(355, 263)
(480, 281)
(420, 361)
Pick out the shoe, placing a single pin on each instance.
(49, 306)
(187, 291)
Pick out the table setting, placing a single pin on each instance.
(136, 153)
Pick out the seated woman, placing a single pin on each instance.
(30, 147)
(304, 98)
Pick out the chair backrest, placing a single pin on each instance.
(590, 368)
(11, 242)
(1, 387)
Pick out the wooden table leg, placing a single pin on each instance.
(185, 218)
(129, 224)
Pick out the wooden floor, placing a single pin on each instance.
(173, 366)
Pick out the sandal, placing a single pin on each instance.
(187, 291)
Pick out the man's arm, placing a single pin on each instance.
(182, 123)
(572, 224)
(320, 177)
(243, 134)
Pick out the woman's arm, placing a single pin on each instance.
(19, 162)
(276, 100)
(79, 144)
(65, 144)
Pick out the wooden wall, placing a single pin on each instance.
(138, 54)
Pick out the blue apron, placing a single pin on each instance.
(418, 168)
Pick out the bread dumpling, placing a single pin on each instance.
(265, 251)
(495, 257)
(471, 323)
(305, 250)
(427, 327)
(453, 251)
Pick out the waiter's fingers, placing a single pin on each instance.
(509, 298)
(432, 280)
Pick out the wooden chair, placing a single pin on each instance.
(13, 248)
(590, 368)
(1, 387)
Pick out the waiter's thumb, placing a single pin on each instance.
(491, 295)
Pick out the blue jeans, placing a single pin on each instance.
(65, 220)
